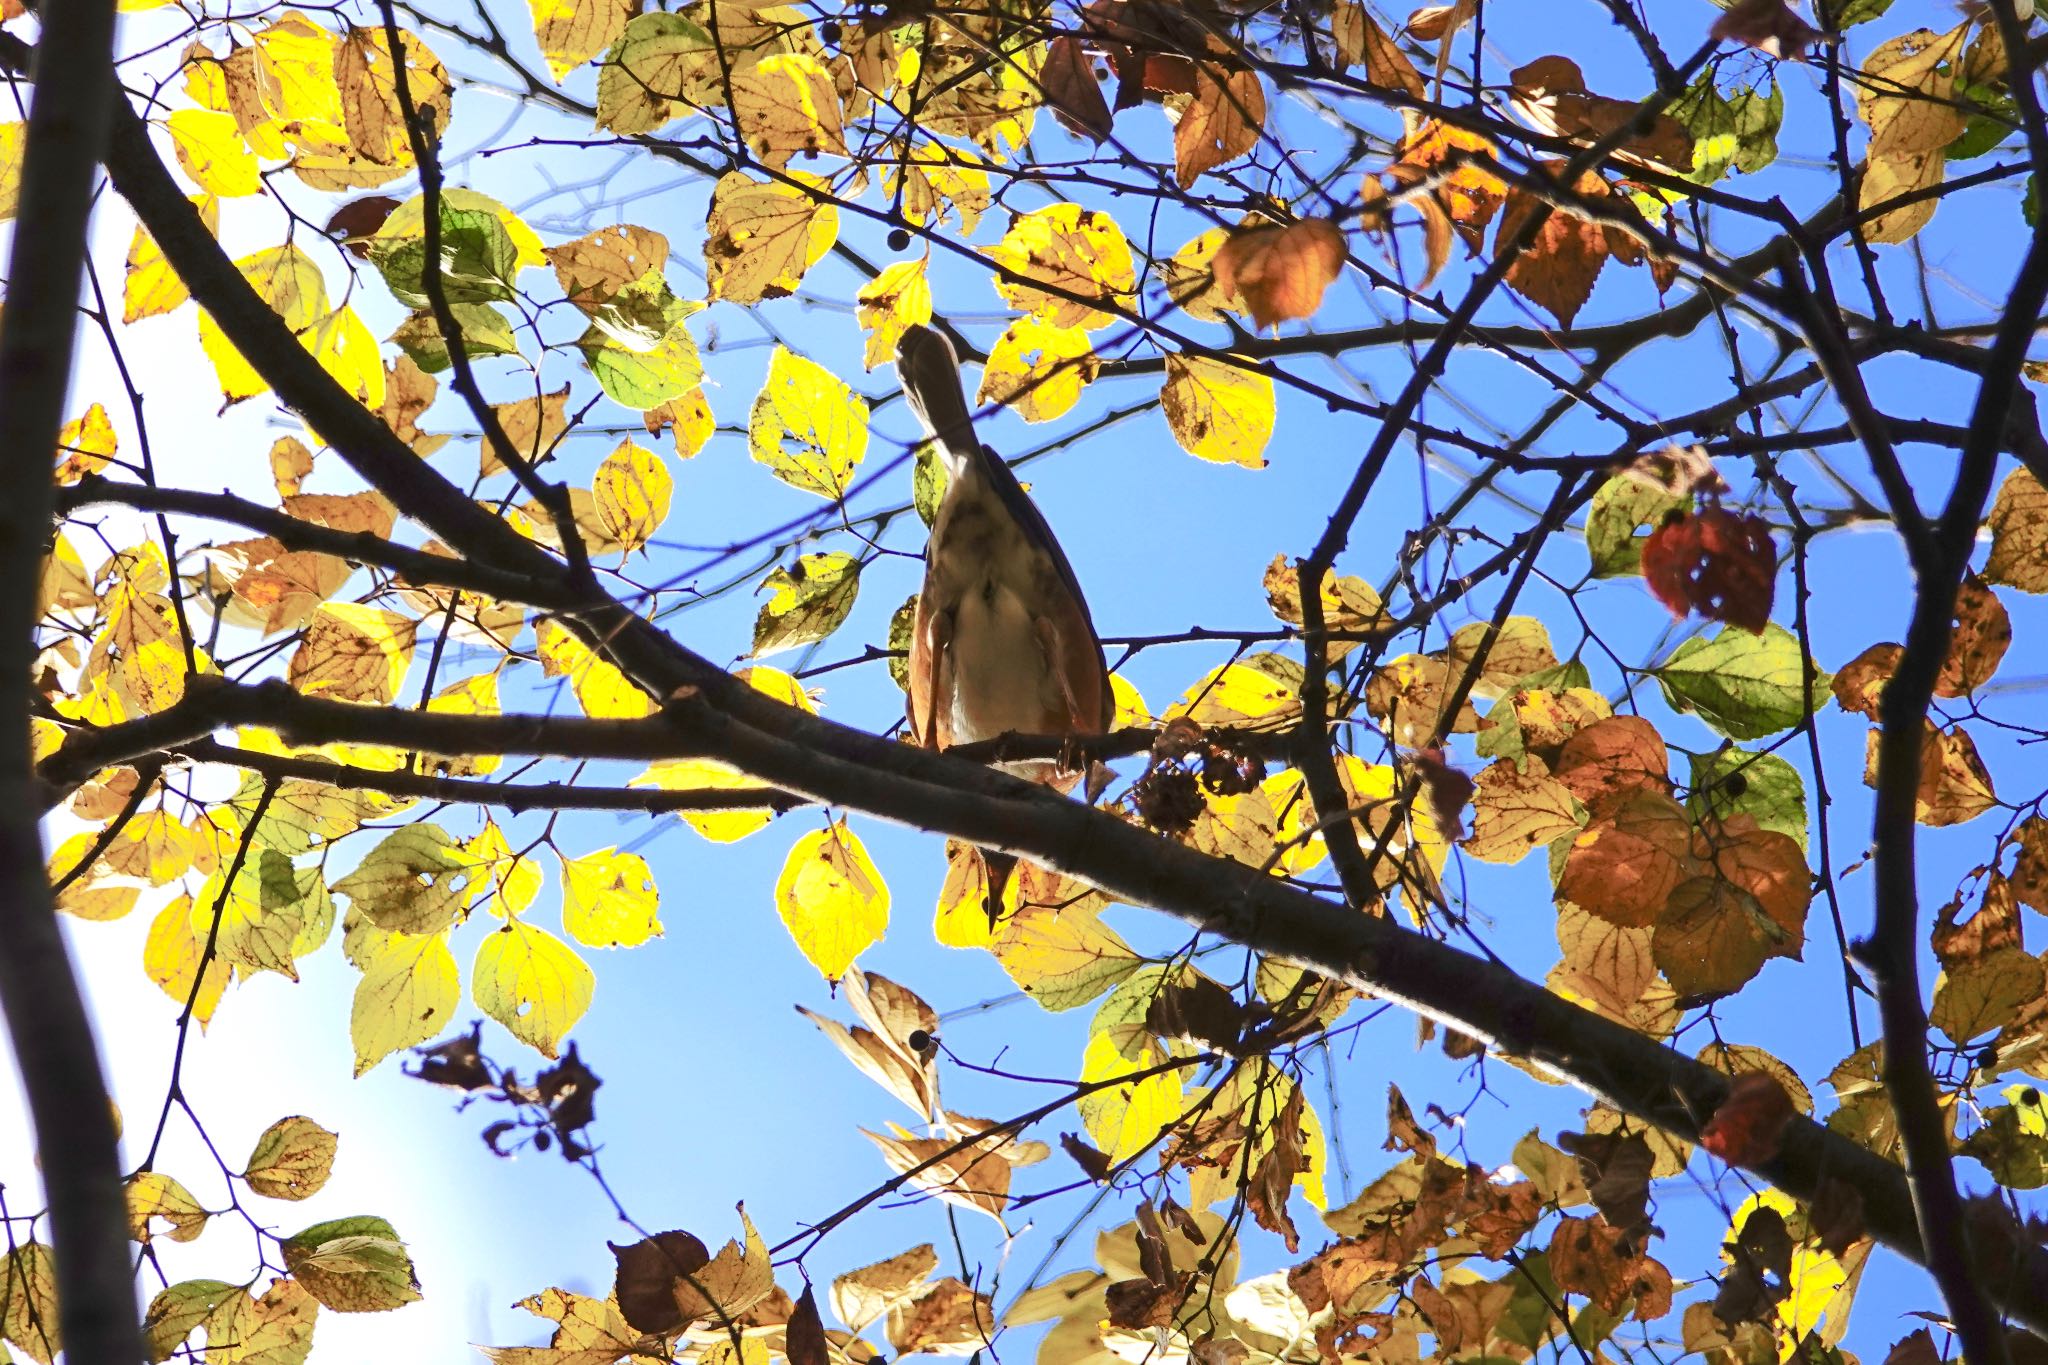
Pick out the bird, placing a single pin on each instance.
(1002, 641)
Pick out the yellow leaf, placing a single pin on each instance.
(287, 279)
(832, 898)
(291, 1160)
(761, 236)
(1217, 410)
(474, 696)
(808, 425)
(353, 652)
(962, 918)
(1038, 369)
(85, 445)
(532, 983)
(1124, 1120)
(154, 1195)
(1063, 250)
(609, 900)
(171, 956)
(13, 141)
(632, 488)
(704, 774)
(152, 846)
(787, 104)
(152, 287)
(1816, 1276)
(1232, 694)
(688, 419)
(408, 993)
(773, 682)
(935, 182)
(808, 602)
(515, 880)
(1190, 279)
(1130, 704)
(601, 689)
(347, 350)
(571, 32)
(210, 148)
(898, 298)
(1062, 957)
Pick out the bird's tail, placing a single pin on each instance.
(929, 371)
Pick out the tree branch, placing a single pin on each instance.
(46, 1014)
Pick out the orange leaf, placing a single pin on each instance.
(1281, 272)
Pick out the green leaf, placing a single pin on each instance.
(1984, 132)
(811, 600)
(1621, 508)
(1762, 786)
(177, 1310)
(485, 331)
(2016, 1157)
(415, 882)
(641, 315)
(643, 379)
(353, 1265)
(902, 623)
(1738, 130)
(479, 259)
(1745, 686)
(1860, 12)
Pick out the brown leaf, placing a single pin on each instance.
(1624, 864)
(1617, 1168)
(2019, 534)
(804, 1337)
(1095, 1164)
(355, 222)
(599, 264)
(1068, 81)
(1604, 1265)
(1551, 95)
(1612, 755)
(1982, 633)
(1469, 192)
(1281, 272)
(1769, 26)
(1558, 267)
(647, 1275)
(947, 1318)
(1140, 1303)
(1220, 124)
(1996, 925)
(1860, 685)
(1955, 787)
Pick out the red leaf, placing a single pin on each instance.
(1716, 563)
(1749, 1125)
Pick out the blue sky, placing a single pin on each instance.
(716, 1089)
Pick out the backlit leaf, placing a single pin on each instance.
(832, 899)
(1217, 410)
(352, 1265)
(609, 900)
(761, 236)
(808, 425)
(1060, 251)
(532, 983)
(1037, 369)
(291, 1160)
(807, 602)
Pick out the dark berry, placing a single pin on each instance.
(899, 239)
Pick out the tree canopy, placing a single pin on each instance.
(1562, 491)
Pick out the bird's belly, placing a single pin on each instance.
(1001, 679)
